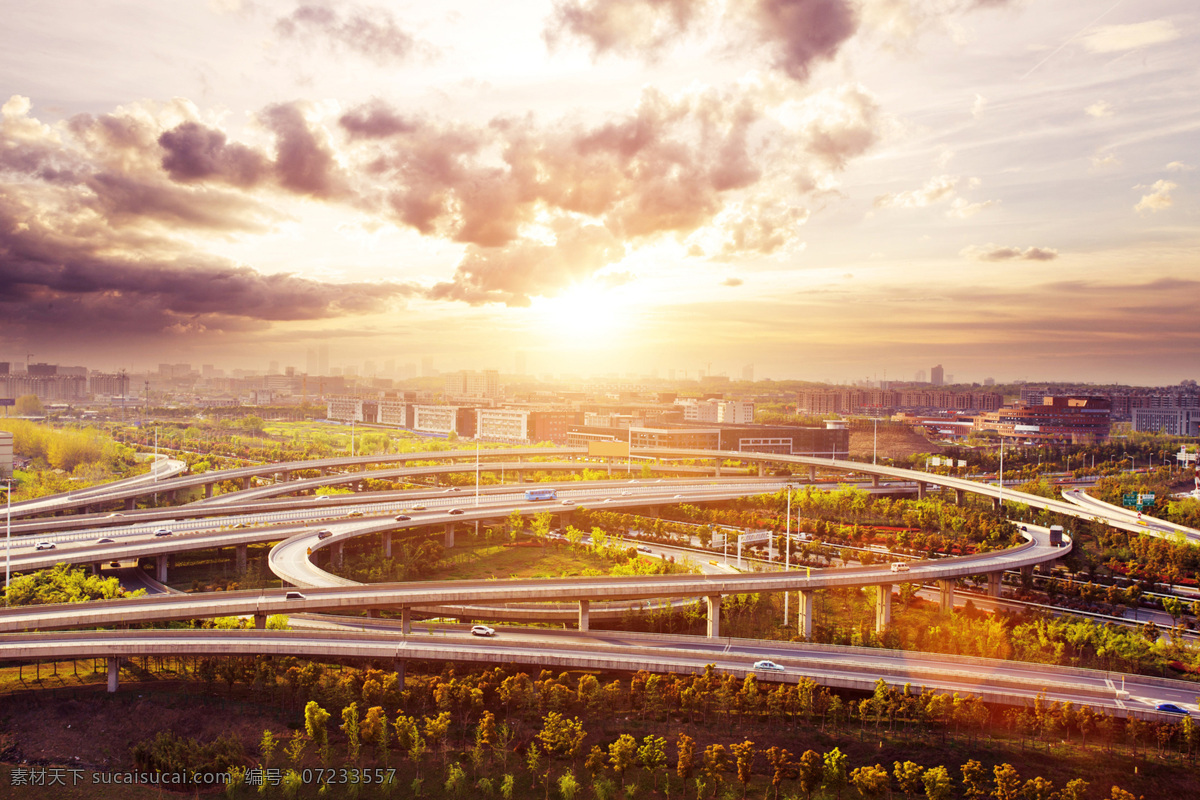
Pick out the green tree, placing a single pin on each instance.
(1008, 782)
(870, 781)
(836, 771)
(315, 721)
(622, 754)
(1075, 790)
(975, 780)
(350, 727)
(908, 776)
(653, 755)
(938, 785)
(28, 405)
(811, 772)
(685, 749)
(561, 736)
(744, 758)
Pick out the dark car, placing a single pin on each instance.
(325, 534)
(104, 541)
(456, 511)
(402, 517)
(1171, 708)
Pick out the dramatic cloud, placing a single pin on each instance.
(761, 228)
(304, 162)
(803, 32)
(991, 252)
(626, 27)
(369, 32)
(513, 275)
(193, 152)
(1159, 198)
(840, 124)
(1116, 38)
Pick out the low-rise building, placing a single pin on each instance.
(1075, 419)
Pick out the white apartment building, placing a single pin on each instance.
(732, 412)
(502, 425)
(435, 419)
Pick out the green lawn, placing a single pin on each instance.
(508, 561)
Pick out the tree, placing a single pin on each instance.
(1075, 790)
(870, 781)
(375, 730)
(908, 775)
(315, 720)
(350, 727)
(716, 761)
(743, 755)
(266, 746)
(782, 767)
(1038, 788)
(28, 405)
(653, 754)
(812, 770)
(561, 736)
(836, 770)
(938, 785)
(685, 749)
(622, 754)
(1008, 782)
(975, 780)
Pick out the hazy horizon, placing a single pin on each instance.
(830, 190)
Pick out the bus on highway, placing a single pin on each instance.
(541, 494)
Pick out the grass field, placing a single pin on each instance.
(520, 561)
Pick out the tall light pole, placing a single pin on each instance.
(874, 447)
(787, 549)
(477, 474)
(8, 542)
(1001, 502)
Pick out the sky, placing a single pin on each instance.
(829, 190)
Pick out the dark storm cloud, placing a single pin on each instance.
(193, 152)
(802, 32)
(374, 121)
(371, 31)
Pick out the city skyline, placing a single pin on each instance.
(826, 190)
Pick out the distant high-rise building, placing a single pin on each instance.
(920, 378)
(323, 360)
(289, 371)
(989, 381)
(937, 376)
(748, 373)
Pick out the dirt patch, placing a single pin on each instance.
(894, 442)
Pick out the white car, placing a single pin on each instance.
(44, 546)
(899, 566)
(764, 664)
(483, 630)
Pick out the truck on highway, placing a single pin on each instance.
(1056, 535)
(541, 494)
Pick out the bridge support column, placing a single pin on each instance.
(160, 570)
(129, 504)
(922, 487)
(564, 519)
(95, 567)
(714, 615)
(372, 613)
(609, 460)
(335, 555)
(959, 496)
(762, 469)
(208, 490)
(242, 552)
(260, 621)
(946, 596)
(883, 607)
(583, 615)
(1027, 575)
(804, 615)
(995, 579)
(406, 621)
(114, 670)
(246, 483)
(875, 481)
(812, 474)
(996, 504)
(448, 541)
(718, 468)
(398, 667)
(387, 544)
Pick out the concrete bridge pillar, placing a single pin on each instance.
(996, 504)
(448, 540)
(372, 613)
(398, 667)
(718, 468)
(883, 607)
(995, 580)
(95, 567)
(922, 487)
(1027, 575)
(208, 490)
(246, 482)
(583, 615)
(609, 461)
(812, 474)
(714, 615)
(564, 519)
(875, 481)
(762, 469)
(335, 555)
(804, 617)
(242, 552)
(654, 511)
(520, 473)
(387, 544)
(946, 596)
(129, 504)
(260, 621)
(114, 670)
(959, 496)
(160, 571)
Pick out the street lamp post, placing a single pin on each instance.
(787, 549)
(8, 542)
